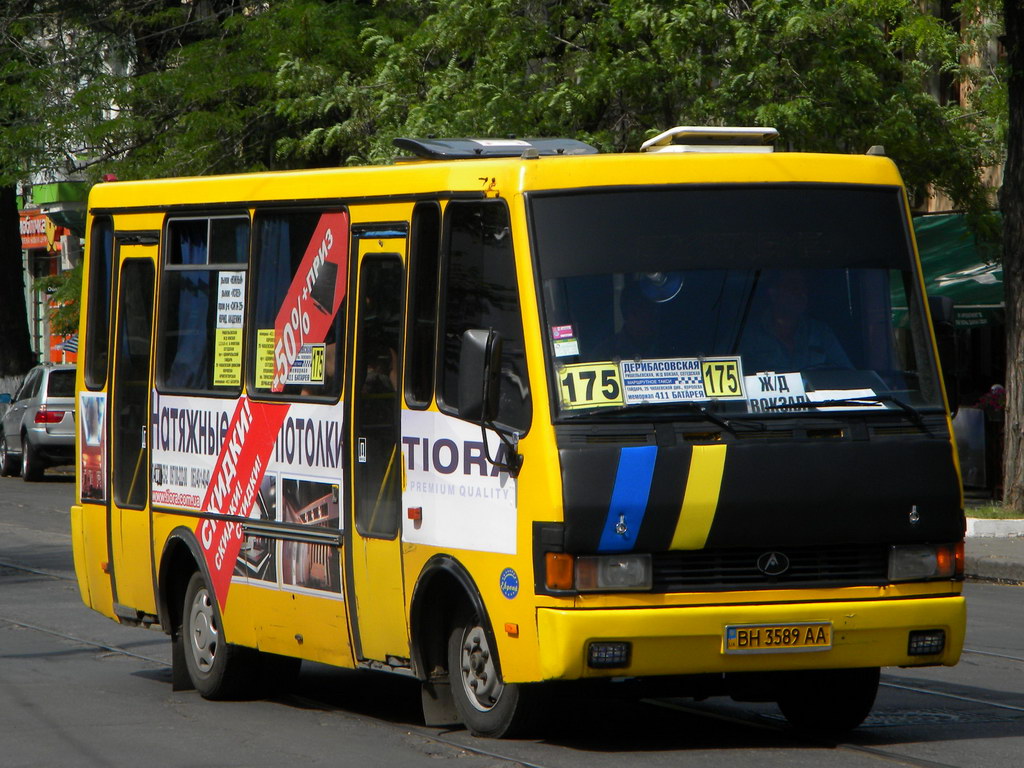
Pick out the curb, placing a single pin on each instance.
(981, 528)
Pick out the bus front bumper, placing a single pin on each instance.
(691, 640)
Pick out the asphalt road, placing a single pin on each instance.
(79, 690)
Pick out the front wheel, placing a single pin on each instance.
(486, 705)
(217, 669)
(829, 702)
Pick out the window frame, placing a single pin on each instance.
(164, 299)
(341, 336)
(441, 329)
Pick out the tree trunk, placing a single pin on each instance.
(1012, 201)
(15, 351)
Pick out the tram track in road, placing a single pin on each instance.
(993, 655)
(36, 571)
(115, 649)
(756, 722)
(949, 694)
(53, 632)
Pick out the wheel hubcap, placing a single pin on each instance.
(479, 676)
(203, 634)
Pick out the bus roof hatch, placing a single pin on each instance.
(686, 138)
(467, 149)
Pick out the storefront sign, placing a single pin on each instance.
(37, 231)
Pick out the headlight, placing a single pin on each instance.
(613, 573)
(918, 562)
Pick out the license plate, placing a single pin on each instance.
(778, 638)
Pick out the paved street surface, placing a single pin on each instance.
(996, 558)
(79, 690)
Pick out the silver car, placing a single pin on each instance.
(39, 425)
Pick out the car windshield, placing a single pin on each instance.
(733, 299)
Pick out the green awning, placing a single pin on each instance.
(958, 266)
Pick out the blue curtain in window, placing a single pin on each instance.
(275, 268)
(188, 369)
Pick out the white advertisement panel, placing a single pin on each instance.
(187, 434)
(465, 502)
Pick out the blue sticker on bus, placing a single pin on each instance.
(509, 583)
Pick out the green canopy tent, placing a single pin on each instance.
(958, 266)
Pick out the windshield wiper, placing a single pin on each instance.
(909, 411)
(667, 409)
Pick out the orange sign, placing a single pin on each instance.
(37, 231)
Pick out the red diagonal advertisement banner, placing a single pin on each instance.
(305, 317)
(314, 296)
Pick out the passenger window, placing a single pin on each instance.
(425, 252)
(300, 265)
(203, 304)
(480, 291)
(101, 257)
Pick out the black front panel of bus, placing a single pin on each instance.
(815, 492)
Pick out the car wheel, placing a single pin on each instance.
(8, 463)
(851, 694)
(217, 669)
(31, 467)
(486, 705)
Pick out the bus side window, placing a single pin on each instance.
(480, 291)
(425, 252)
(97, 335)
(282, 240)
(200, 341)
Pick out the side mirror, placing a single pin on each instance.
(479, 375)
(943, 314)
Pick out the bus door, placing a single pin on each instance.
(131, 548)
(375, 588)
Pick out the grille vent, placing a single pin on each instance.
(856, 565)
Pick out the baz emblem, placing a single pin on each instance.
(773, 563)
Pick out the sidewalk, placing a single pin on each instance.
(994, 550)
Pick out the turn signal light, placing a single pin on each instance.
(558, 570)
(950, 560)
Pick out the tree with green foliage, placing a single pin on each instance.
(235, 85)
(23, 84)
(199, 92)
(838, 75)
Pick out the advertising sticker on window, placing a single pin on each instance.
(227, 355)
(662, 381)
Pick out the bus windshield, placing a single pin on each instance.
(756, 299)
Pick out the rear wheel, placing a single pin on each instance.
(217, 669)
(486, 705)
(8, 463)
(829, 702)
(31, 467)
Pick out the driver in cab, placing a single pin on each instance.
(785, 338)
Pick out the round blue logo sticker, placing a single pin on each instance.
(509, 583)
